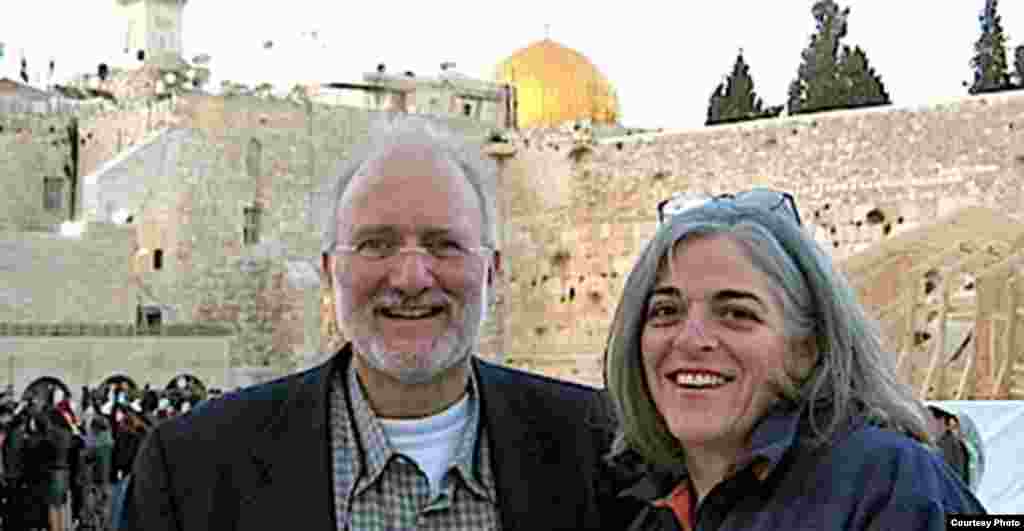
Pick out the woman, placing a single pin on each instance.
(755, 390)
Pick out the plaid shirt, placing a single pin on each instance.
(376, 488)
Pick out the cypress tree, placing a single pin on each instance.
(831, 75)
(991, 69)
(862, 86)
(1018, 65)
(734, 99)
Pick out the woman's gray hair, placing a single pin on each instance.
(853, 377)
(388, 133)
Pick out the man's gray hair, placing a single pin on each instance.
(387, 134)
(854, 377)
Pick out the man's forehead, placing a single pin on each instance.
(391, 229)
(419, 185)
(412, 154)
(400, 165)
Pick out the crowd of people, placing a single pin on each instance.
(63, 462)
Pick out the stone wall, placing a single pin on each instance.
(32, 148)
(572, 221)
(79, 361)
(46, 277)
(190, 188)
(577, 227)
(108, 132)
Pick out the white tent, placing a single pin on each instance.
(1001, 427)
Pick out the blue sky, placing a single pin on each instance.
(665, 58)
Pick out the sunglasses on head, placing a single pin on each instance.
(771, 200)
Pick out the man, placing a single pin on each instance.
(404, 428)
(945, 429)
(963, 454)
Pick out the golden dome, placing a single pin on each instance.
(555, 84)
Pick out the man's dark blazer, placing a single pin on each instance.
(261, 459)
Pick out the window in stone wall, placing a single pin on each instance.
(158, 259)
(53, 193)
(254, 158)
(148, 318)
(467, 109)
(251, 231)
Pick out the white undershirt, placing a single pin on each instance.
(430, 442)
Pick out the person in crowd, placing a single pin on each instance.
(751, 384)
(88, 407)
(130, 430)
(86, 399)
(7, 409)
(405, 427)
(103, 467)
(163, 409)
(73, 511)
(30, 454)
(945, 430)
(953, 427)
(16, 493)
(150, 400)
(971, 438)
(58, 440)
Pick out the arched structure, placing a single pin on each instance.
(42, 389)
(188, 384)
(115, 382)
(555, 84)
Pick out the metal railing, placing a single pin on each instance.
(113, 330)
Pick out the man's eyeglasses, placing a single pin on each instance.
(765, 198)
(445, 251)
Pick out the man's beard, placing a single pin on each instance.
(450, 349)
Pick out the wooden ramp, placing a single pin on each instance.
(950, 297)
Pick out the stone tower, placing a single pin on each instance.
(153, 30)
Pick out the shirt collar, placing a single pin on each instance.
(773, 436)
(473, 466)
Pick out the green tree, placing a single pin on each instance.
(991, 69)
(1018, 65)
(831, 75)
(734, 100)
(263, 90)
(861, 86)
